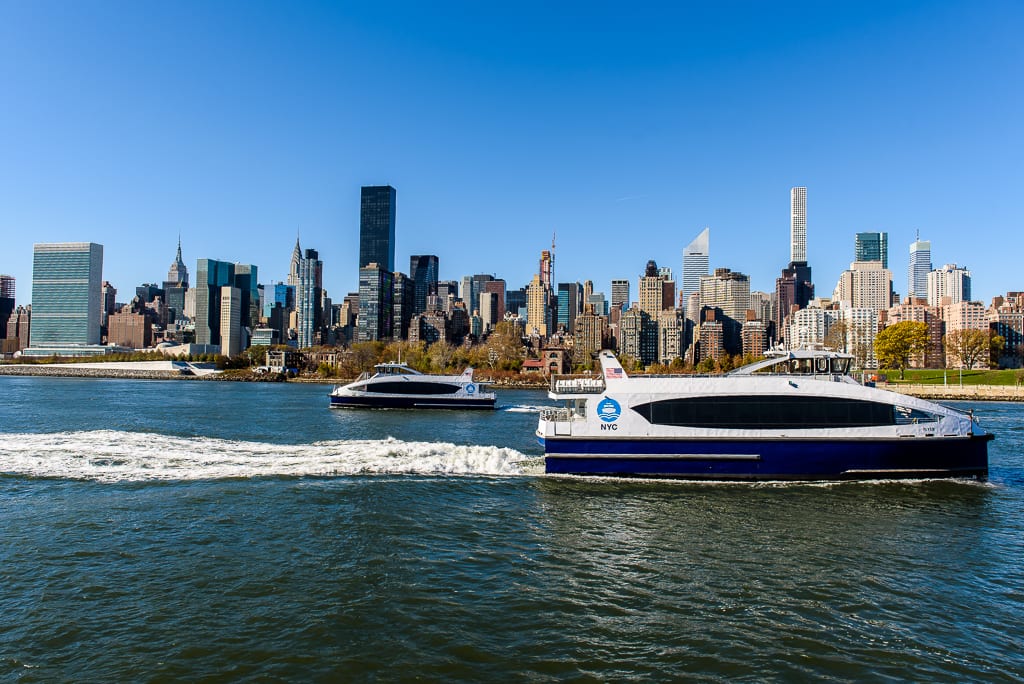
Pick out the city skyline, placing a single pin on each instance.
(558, 132)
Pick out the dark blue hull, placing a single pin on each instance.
(964, 457)
(412, 402)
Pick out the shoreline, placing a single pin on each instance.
(1006, 393)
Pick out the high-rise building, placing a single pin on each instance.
(651, 294)
(403, 297)
(638, 335)
(671, 325)
(377, 227)
(798, 225)
(108, 307)
(865, 285)
(293, 267)
(489, 306)
(620, 294)
(872, 247)
(6, 303)
(211, 276)
(538, 308)
(515, 301)
(599, 303)
(729, 292)
(495, 286)
(695, 263)
(175, 288)
(570, 296)
(247, 282)
(309, 299)
(950, 281)
(590, 334)
(231, 315)
(920, 267)
(376, 291)
(67, 278)
(423, 270)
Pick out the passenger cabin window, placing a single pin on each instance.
(767, 412)
(412, 388)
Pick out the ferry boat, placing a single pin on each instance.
(396, 385)
(796, 415)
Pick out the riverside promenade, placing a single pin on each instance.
(135, 370)
(956, 392)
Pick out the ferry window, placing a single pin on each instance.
(841, 366)
(908, 416)
(412, 388)
(821, 365)
(767, 412)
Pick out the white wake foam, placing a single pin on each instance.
(112, 456)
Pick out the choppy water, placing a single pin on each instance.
(220, 531)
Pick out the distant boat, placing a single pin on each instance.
(396, 385)
(796, 416)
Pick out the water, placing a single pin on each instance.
(225, 531)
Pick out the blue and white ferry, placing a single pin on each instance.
(797, 415)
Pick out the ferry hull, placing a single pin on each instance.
(411, 402)
(863, 459)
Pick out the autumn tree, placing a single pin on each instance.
(835, 339)
(897, 344)
(968, 346)
(996, 346)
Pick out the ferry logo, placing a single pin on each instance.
(470, 388)
(608, 410)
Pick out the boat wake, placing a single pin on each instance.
(113, 456)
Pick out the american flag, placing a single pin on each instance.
(612, 373)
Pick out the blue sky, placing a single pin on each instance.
(624, 128)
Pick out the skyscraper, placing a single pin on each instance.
(308, 299)
(950, 281)
(920, 266)
(569, 305)
(376, 291)
(798, 224)
(211, 276)
(175, 287)
(6, 303)
(620, 294)
(538, 308)
(293, 267)
(377, 227)
(695, 263)
(650, 294)
(66, 297)
(423, 270)
(872, 247)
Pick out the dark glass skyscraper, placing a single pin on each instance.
(377, 227)
(872, 247)
(423, 269)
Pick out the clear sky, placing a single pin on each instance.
(625, 128)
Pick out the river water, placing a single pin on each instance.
(226, 531)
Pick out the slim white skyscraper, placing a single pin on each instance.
(798, 225)
(920, 267)
(695, 263)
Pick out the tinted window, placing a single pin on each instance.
(412, 388)
(767, 412)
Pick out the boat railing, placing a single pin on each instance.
(577, 384)
(556, 414)
(365, 375)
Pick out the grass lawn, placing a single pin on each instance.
(971, 377)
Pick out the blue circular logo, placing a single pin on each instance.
(608, 410)
(470, 388)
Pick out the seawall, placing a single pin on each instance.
(958, 393)
(81, 370)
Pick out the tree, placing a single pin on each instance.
(897, 344)
(836, 337)
(968, 346)
(996, 346)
